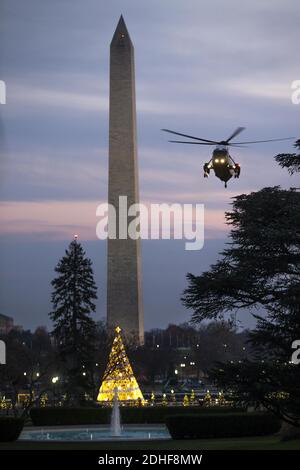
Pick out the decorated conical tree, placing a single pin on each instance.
(164, 401)
(207, 399)
(186, 400)
(119, 375)
(152, 398)
(221, 398)
(193, 397)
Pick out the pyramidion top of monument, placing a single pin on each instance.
(121, 36)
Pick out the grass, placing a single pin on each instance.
(249, 443)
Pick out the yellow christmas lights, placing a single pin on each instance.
(119, 375)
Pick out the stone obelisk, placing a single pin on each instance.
(124, 291)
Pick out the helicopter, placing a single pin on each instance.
(221, 162)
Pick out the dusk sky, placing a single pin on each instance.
(202, 68)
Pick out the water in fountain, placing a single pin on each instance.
(115, 422)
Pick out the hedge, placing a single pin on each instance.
(101, 415)
(210, 425)
(10, 428)
(69, 416)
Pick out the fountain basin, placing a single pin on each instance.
(94, 433)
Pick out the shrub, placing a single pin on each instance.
(69, 416)
(10, 428)
(206, 426)
(101, 415)
(158, 414)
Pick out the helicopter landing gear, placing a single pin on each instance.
(206, 170)
(237, 170)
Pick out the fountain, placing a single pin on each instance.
(98, 433)
(115, 422)
(119, 384)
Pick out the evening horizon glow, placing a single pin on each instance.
(200, 69)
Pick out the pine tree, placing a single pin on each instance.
(119, 375)
(73, 296)
(290, 161)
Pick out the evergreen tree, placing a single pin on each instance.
(73, 296)
(260, 268)
(291, 161)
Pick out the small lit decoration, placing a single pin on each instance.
(280, 395)
(164, 400)
(5, 404)
(119, 375)
(173, 397)
(221, 398)
(186, 400)
(207, 399)
(193, 397)
(152, 398)
(24, 398)
(44, 400)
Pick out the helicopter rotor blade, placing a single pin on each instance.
(186, 142)
(189, 136)
(261, 141)
(239, 146)
(236, 132)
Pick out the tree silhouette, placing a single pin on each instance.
(260, 268)
(74, 292)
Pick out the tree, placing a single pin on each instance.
(291, 161)
(119, 375)
(29, 367)
(261, 266)
(74, 293)
(218, 340)
(259, 269)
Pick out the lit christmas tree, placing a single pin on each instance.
(119, 375)
(152, 398)
(186, 401)
(164, 400)
(221, 398)
(44, 400)
(173, 397)
(207, 399)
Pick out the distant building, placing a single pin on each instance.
(6, 324)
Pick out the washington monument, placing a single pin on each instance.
(124, 290)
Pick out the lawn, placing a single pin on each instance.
(250, 443)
